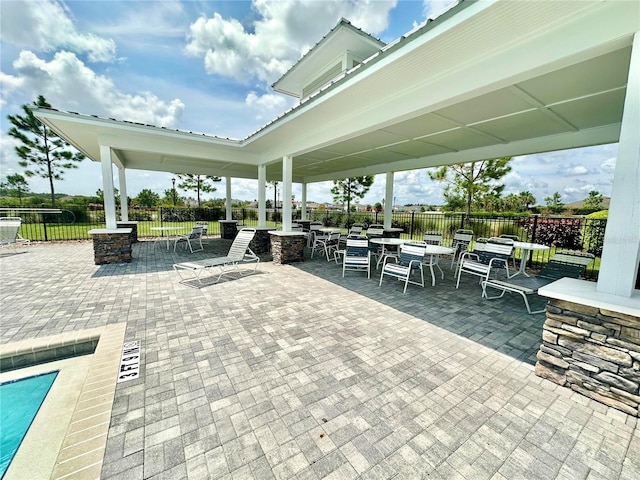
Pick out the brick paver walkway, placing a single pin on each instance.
(294, 372)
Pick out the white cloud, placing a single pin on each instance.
(434, 8)
(284, 31)
(268, 106)
(68, 84)
(50, 28)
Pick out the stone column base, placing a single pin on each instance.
(593, 351)
(111, 245)
(287, 247)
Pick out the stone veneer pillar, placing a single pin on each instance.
(287, 247)
(133, 225)
(593, 351)
(111, 245)
(261, 243)
(228, 229)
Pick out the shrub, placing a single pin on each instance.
(593, 232)
(559, 232)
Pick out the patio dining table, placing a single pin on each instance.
(165, 233)
(432, 252)
(527, 247)
(385, 243)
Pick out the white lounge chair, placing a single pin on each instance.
(561, 265)
(9, 236)
(239, 252)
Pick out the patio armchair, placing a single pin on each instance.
(433, 238)
(193, 238)
(239, 252)
(493, 258)
(356, 255)
(572, 265)
(513, 238)
(461, 241)
(327, 245)
(375, 231)
(409, 260)
(9, 236)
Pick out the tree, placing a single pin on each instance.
(554, 203)
(198, 184)
(377, 207)
(594, 200)
(350, 189)
(42, 149)
(526, 199)
(472, 180)
(147, 198)
(17, 184)
(100, 196)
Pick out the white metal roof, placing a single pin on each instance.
(487, 79)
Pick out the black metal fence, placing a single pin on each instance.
(573, 233)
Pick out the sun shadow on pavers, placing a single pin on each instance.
(502, 325)
(153, 257)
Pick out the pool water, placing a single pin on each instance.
(20, 401)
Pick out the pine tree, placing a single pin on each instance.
(473, 180)
(42, 149)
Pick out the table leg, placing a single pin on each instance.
(523, 264)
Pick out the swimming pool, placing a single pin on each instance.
(20, 401)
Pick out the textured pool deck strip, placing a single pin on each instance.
(83, 448)
(295, 372)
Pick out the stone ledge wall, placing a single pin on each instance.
(594, 352)
(287, 249)
(111, 248)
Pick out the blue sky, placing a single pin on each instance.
(207, 66)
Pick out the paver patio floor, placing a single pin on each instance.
(294, 372)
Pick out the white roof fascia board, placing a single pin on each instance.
(528, 59)
(583, 138)
(185, 147)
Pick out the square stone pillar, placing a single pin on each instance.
(287, 247)
(111, 245)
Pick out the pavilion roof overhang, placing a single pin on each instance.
(491, 79)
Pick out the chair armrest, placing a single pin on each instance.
(470, 256)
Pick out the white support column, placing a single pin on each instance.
(262, 195)
(303, 201)
(229, 214)
(124, 205)
(388, 201)
(621, 253)
(107, 187)
(287, 173)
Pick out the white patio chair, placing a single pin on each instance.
(327, 245)
(193, 238)
(461, 240)
(409, 261)
(493, 258)
(239, 252)
(356, 255)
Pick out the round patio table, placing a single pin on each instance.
(385, 243)
(432, 251)
(527, 247)
(165, 232)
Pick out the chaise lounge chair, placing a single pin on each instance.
(9, 235)
(561, 265)
(239, 252)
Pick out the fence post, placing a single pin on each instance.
(44, 224)
(413, 214)
(462, 220)
(533, 239)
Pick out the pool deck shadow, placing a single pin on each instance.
(296, 373)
